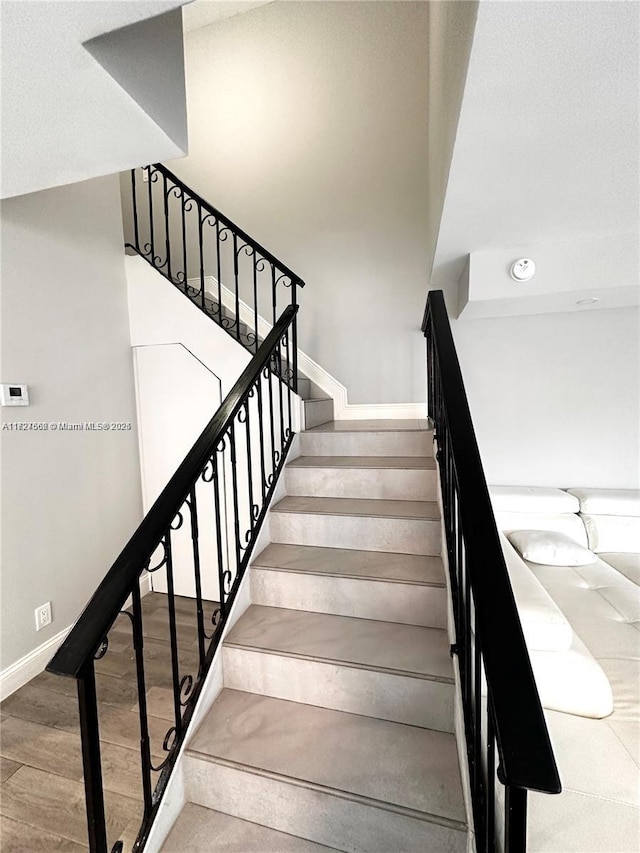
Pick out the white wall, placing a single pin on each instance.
(176, 397)
(71, 499)
(451, 28)
(308, 126)
(160, 314)
(555, 398)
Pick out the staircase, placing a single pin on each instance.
(334, 730)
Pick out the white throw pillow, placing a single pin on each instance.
(550, 548)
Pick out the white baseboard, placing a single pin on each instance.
(22, 671)
(343, 410)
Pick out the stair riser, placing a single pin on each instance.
(340, 822)
(304, 388)
(396, 535)
(317, 412)
(359, 597)
(374, 483)
(399, 698)
(366, 444)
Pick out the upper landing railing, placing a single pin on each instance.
(226, 273)
(499, 695)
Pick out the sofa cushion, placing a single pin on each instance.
(550, 548)
(601, 604)
(608, 501)
(562, 522)
(626, 564)
(619, 533)
(572, 681)
(544, 625)
(532, 499)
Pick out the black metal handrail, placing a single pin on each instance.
(188, 240)
(489, 640)
(252, 461)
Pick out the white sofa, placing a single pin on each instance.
(582, 627)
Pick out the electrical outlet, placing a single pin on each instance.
(43, 616)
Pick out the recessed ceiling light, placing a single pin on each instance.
(590, 301)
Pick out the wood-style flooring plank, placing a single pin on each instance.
(16, 837)
(7, 768)
(44, 747)
(123, 729)
(39, 705)
(121, 770)
(44, 800)
(159, 703)
(120, 692)
(57, 683)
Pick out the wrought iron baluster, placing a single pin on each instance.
(183, 207)
(201, 255)
(145, 743)
(280, 381)
(218, 518)
(460, 560)
(294, 334)
(289, 382)
(255, 298)
(134, 205)
(195, 546)
(252, 516)
(219, 271)
(236, 284)
(166, 226)
(91, 761)
(274, 452)
(515, 821)
(263, 478)
(173, 633)
(234, 489)
(273, 292)
(478, 781)
(151, 227)
(491, 778)
(467, 643)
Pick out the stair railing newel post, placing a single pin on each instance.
(489, 643)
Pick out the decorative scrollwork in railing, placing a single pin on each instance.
(233, 468)
(220, 268)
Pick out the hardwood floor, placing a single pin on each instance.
(42, 804)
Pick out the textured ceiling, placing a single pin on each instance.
(547, 144)
(64, 117)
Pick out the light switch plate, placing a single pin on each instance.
(14, 394)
